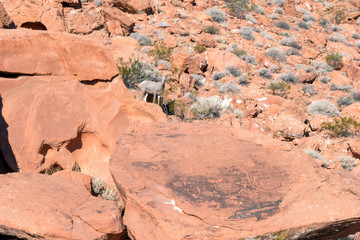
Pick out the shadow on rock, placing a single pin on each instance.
(7, 158)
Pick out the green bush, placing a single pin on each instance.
(130, 72)
(239, 52)
(342, 127)
(177, 108)
(334, 59)
(211, 29)
(238, 8)
(200, 48)
(161, 52)
(279, 88)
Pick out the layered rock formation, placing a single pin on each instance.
(37, 206)
(195, 181)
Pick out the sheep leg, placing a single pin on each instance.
(154, 97)
(145, 98)
(159, 100)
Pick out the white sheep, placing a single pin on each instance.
(154, 88)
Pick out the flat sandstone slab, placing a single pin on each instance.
(202, 181)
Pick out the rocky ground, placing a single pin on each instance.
(249, 129)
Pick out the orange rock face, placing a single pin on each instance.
(52, 207)
(201, 182)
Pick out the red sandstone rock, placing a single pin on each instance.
(80, 124)
(5, 20)
(115, 19)
(77, 57)
(35, 14)
(290, 9)
(226, 185)
(133, 6)
(76, 177)
(52, 207)
(84, 21)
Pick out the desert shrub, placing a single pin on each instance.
(216, 14)
(342, 127)
(303, 25)
(277, 54)
(279, 11)
(243, 80)
(323, 107)
(357, 44)
(345, 101)
(217, 75)
(345, 88)
(317, 155)
(335, 28)
(199, 80)
(211, 29)
(176, 107)
(98, 3)
(309, 18)
(307, 68)
(334, 59)
(230, 87)
(274, 16)
(163, 25)
(133, 72)
(280, 3)
(325, 79)
(200, 48)
(279, 88)
(234, 71)
(309, 89)
(324, 22)
(348, 163)
(258, 9)
(142, 39)
(161, 52)
(206, 107)
(283, 25)
(265, 73)
(265, 34)
(355, 36)
(238, 8)
(274, 68)
(290, 42)
(246, 32)
(238, 52)
(321, 68)
(292, 51)
(338, 37)
(249, 59)
(250, 18)
(288, 77)
(101, 188)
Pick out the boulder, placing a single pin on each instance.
(35, 206)
(36, 14)
(58, 123)
(22, 53)
(117, 20)
(195, 181)
(132, 6)
(5, 20)
(84, 21)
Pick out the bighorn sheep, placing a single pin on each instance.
(154, 88)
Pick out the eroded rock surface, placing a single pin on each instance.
(193, 181)
(37, 206)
